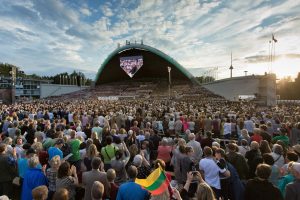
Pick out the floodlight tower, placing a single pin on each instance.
(231, 67)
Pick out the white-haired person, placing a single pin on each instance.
(142, 165)
(277, 154)
(197, 150)
(33, 177)
(293, 189)
(254, 158)
(51, 174)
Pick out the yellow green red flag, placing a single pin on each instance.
(156, 183)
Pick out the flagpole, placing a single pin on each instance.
(272, 44)
(269, 65)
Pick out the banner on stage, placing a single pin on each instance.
(109, 98)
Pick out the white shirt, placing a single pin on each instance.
(249, 125)
(70, 117)
(81, 133)
(171, 125)
(278, 159)
(243, 150)
(211, 172)
(227, 128)
(101, 120)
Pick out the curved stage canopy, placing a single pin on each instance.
(154, 65)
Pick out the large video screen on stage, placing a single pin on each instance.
(131, 64)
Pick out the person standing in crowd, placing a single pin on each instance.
(277, 154)
(119, 164)
(61, 194)
(178, 126)
(67, 178)
(293, 189)
(74, 143)
(256, 135)
(275, 173)
(98, 130)
(253, 157)
(40, 193)
(260, 188)
(211, 171)
(113, 187)
(88, 178)
(138, 193)
(207, 141)
(238, 161)
(33, 178)
(244, 147)
(108, 152)
(51, 175)
(197, 150)
(7, 171)
(164, 152)
(249, 125)
(283, 137)
(55, 151)
(216, 124)
(227, 129)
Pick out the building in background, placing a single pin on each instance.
(258, 88)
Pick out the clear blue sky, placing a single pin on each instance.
(53, 36)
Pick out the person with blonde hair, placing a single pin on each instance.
(96, 141)
(51, 174)
(97, 190)
(43, 155)
(204, 192)
(91, 153)
(61, 194)
(40, 193)
(113, 187)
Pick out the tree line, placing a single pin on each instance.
(288, 89)
(61, 78)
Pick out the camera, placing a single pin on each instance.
(194, 173)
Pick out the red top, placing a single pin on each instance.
(256, 137)
(164, 153)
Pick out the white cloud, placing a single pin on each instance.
(107, 11)
(85, 11)
(195, 33)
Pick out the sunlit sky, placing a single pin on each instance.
(47, 37)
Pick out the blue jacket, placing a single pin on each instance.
(132, 191)
(33, 178)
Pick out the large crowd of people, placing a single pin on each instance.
(91, 149)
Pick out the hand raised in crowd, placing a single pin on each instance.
(73, 170)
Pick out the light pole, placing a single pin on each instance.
(169, 71)
(245, 73)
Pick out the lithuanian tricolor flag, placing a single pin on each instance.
(156, 183)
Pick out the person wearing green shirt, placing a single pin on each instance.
(75, 145)
(108, 152)
(283, 137)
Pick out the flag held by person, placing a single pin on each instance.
(156, 183)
